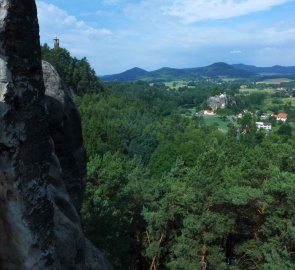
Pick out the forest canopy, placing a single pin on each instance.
(167, 190)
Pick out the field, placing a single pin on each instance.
(187, 112)
(230, 79)
(270, 102)
(275, 81)
(249, 90)
(287, 100)
(176, 84)
(255, 90)
(216, 120)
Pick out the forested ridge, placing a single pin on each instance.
(76, 73)
(168, 191)
(166, 74)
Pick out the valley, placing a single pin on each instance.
(187, 171)
(187, 164)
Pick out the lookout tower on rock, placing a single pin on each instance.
(56, 43)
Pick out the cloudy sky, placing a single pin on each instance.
(116, 35)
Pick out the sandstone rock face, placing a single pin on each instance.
(65, 130)
(220, 101)
(42, 158)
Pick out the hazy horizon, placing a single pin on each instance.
(117, 35)
(193, 67)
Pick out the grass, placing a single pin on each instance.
(208, 119)
(269, 101)
(228, 79)
(256, 90)
(176, 84)
(249, 90)
(287, 100)
(188, 112)
(216, 120)
(275, 81)
(271, 90)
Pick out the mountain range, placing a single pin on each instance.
(215, 70)
(274, 70)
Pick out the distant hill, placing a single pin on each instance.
(128, 75)
(223, 69)
(275, 70)
(169, 74)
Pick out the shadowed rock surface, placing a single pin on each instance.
(65, 130)
(42, 158)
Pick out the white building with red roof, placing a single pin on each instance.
(281, 117)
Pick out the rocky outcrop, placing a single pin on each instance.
(65, 130)
(42, 158)
(220, 101)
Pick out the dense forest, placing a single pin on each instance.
(167, 191)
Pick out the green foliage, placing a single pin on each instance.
(250, 102)
(285, 129)
(77, 74)
(166, 191)
(113, 206)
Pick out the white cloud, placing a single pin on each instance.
(156, 33)
(278, 35)
(75, 35)
(159, 22)
(54, 18)
(235, 51)
(191, 11)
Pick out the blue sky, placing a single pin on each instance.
(116, 35)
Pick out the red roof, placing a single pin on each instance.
(281, 115)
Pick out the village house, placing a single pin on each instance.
(208, 112)
(265, 116)
(243, 86)
(282, 117)
(241, 114)
(263, 125)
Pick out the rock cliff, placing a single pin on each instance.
(220, 101)
(42, 158)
